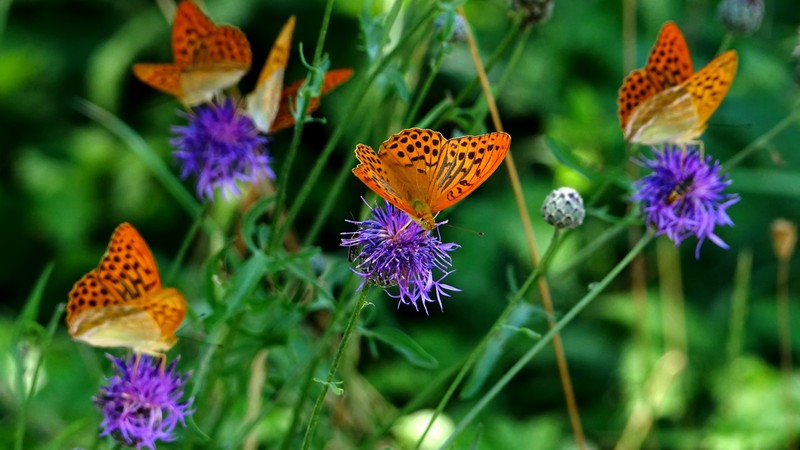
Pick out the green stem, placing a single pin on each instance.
(512, 36)
(436, 65)
(496, 328)
(523, 361)
(348, 332)
(762, 140)
(278, 229)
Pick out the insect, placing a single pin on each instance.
(680, 190)
(422, 173)
(206, 58)
(269, 105)
(121, 303)
(667, 101)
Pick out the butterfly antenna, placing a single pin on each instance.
(470, 230)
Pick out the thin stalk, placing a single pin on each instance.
(493, 331)
(785, 333)
(348, 332)
(739, 299)
(568, 317)
(673, 316)
(544, 289)
(435, 66)
(762, 140)
(512, 36)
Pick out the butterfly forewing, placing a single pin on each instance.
(710, 85)
(634, 91)
(670, 62)
(164, 77)
(284, 117)
(188, 29)
(263, 102)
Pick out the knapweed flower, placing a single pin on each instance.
(563, 208)
(220, 145)
(683, 196)
(141, 402)
(394, 251)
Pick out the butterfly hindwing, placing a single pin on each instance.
(465, 164)
(164, 77)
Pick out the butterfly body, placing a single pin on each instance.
(422, 173)
(206, 58)
(122, 303)
(667, 101)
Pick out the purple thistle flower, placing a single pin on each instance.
(221, 145)
(394, 251)
(141, 402)
(684, 195)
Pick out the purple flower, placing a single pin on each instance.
(684, 195)
(221, 145)
(141, 402)
(394, 251)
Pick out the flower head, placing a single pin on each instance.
(141, 402)
(394, 251)
(683, 196)
(221, 145)
(741, 17)
(563, 208)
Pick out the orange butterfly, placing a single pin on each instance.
(667, 101)
(422, 173)
(207, 58)
(121, 303)
(269, 104)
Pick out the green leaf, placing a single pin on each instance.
(404, 345)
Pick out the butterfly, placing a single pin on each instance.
(121, 303)
(667, 101)
(206, 58)
(422, 173)
(269, 105)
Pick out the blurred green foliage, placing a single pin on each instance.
(66, 182)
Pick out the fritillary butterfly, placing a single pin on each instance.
(667, 101)
(121, 303)
(207, 58)
(269, 103)
(422, 173)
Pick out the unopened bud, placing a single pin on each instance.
(563, 208)
(741, 17)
